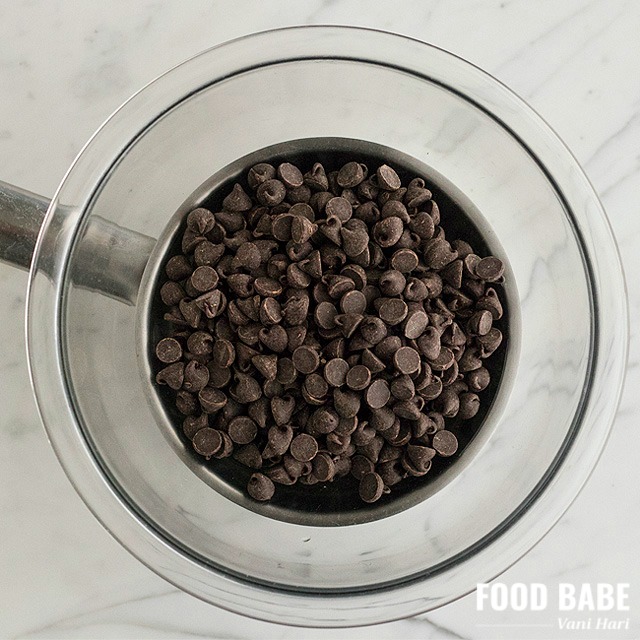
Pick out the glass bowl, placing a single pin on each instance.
(564, 370)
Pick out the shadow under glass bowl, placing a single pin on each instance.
(565, 377)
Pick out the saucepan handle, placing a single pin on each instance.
(110, 259)
(21, 216)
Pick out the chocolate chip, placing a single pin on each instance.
(286, 372)
(271, 193)
(316, 387)
(322, 421)
(373, 330)
(392, 283)
(445, 443)
(358, 377)
(186, 403)
(260, 487)
(211, 400)
(249, 456)
(347, 404)
(242, 429)
(338, 208)
(178, 268)
(306, 359)
(478, 380)
(200, 343)
(404, 260)
(168, 350)
(290, 175)
(196, 376)
(480, 323)
(415, 324)
(378, 394)
(469, 405)
(491, 302)
(403, 388)
(489, 269)
(302, 229)
(274, 338)
(447, 403)
(406, 360)
(237, 200)
(325, 315)
(439, 254)
(211, 303)
(354, 242)
(219, 377)
(338, 285)
(267, 365)
(270, 312)
(278, 440)
(335, 372)
(247, 257)
(246, 389)
(282, 409)
(172, 376)
(387, 232)
(469, 360)
(316, 178)
(348, 323)
(361, 466)
(260, 173)
(200, 221)
(207, 442)
(387, 178)
(171, 293)
(371, 487)
(303, 447)
(353, 302)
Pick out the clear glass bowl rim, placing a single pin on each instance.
(556, 490)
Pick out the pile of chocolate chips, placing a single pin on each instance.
(323, 327)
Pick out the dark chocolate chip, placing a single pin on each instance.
(387, 232)
(404, 260)
(392, 283)
(306, 359)
(303, 447)
(168, 350)
(207, 442)
(242, 429)
(371, 487)
(358, 377)
(172, 376)
(290, 175)
(489, 269)
(378, 394)
(479, 379)
(260, 487)
(387, 178)
(406, 360)
(335, 372)
(469, 405)
(196, 376)
(415, 324)
(445, 443)
(237, 200)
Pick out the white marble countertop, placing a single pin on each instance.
(65, 65)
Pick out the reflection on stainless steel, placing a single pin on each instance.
(21, 216)
(111, 259)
